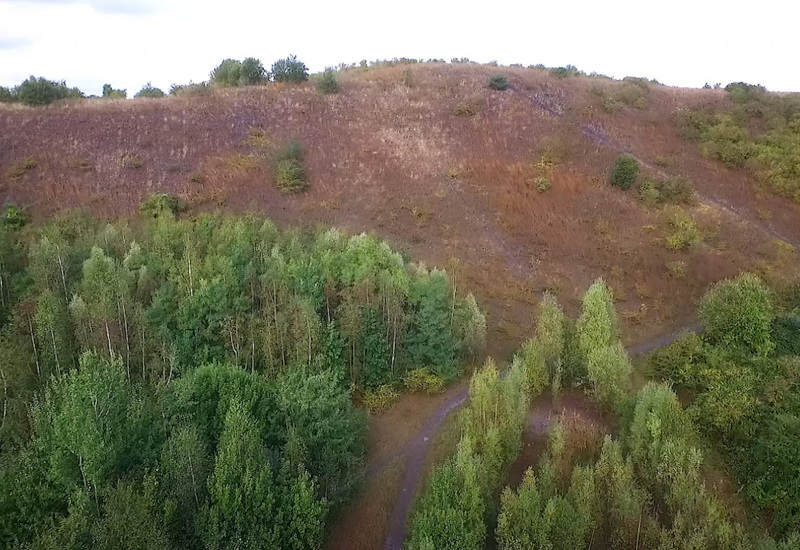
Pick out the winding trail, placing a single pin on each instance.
(416, 450)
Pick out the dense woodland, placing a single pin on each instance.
(188, 383)
(643, 485)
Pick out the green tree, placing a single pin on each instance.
(550, 334)
(150, 91)
(227, 73)
(289, 69)
(111, 93)
(130, 519)
(626, 170)
(429, 340)
(251, 72)
(450, 513)
(40, 91)
(737, 315)
(242, 503)
(328, 83)
(597, 324)
(609, 371)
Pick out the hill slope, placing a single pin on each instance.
(432, 160)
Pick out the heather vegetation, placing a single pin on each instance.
(188, 383)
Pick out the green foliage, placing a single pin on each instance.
(251, 72)
(328, 82)
(498, 82)
(131, 161)
(542, 184)
(40, 91)
(626, 170)
(469, 327)
(609, 372)
(423, 380)
(289, 69)
(7, 95)
(381, 399)
(159, 204)
(450, 513)
(550, 335)
(14, 217)
(686, 232)
(150, 91)
(671, 191)
(290, 176)
(190, 89)
(597, 324)
(227, 73)
(738, 314)
(111, 93)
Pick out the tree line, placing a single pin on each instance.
(187, 383)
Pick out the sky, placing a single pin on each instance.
(128, 43)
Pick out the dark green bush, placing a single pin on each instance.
(159, 203)
(498, 82)
(626, 170)
(150, 91)
(190, 89)
(251, 72)
(742, 92)
(328, 83)
(227, 73)
(289, 70)
(40, 91)
(672, 191)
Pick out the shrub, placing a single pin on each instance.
(131, 160)
(111, 93)
(380, 399)
(626, 170)
(328, 82)
(227, 73)
(20, 167)
(14, 217)
(251, 71)
(686, 231)
(150, 91)
(290, 176)
(498, 82)
(597, 324)
(542, 184)
(677, 269)
(40, 91)
(289, 70)
(257, 138)
(737, 314)
(464, 109)
(159, 203)
(671, 191)
(423, 380)
(189, 89)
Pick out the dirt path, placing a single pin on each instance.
(417, 449)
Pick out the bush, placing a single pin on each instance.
(686, 231)
(498, 82)
(464, 109)
(159, 203)
(626, 170)
(14, 217)
(189, 89)
(677, 269)
(671, 191)
(290, 176)
(737, 314)
(289, 70)
(423, 380)
(111, 93)
(251, 71)
(150, 91)
(20, 167)
(40, 91)
(131, 160)
(380, 399)
(542, 184)
(328, 83)
(227, 73)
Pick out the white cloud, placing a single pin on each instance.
(128, 43)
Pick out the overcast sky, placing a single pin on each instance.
(130, 42)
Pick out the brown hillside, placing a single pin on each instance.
(432, 160)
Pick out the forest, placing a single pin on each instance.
(643, 485)
(190, 383)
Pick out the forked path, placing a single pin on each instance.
(416, 450)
